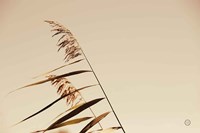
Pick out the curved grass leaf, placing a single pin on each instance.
(70, 122)
(108, 130)
(72, 108)
(94, 122)
(57, 68)
(75, 112)
(50, 79)
(51, 104)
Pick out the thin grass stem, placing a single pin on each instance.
(103, 90)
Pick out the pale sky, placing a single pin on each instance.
(144, 52)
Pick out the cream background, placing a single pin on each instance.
(145, 53)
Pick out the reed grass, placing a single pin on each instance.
(75, 101)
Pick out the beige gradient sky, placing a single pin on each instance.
(145, 53)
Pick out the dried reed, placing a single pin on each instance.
(67, 91)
